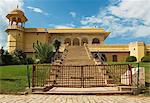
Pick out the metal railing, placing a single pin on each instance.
(88, 51)
(81, 76)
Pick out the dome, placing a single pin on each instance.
(17, 11)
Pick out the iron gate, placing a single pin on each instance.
(81, 76)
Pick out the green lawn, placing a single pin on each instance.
(13, 78)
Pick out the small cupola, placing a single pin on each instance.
(17, 17)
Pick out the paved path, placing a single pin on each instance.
(72, 99)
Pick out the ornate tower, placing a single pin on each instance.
(15, 29)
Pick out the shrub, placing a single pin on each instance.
(57, 44)
(44, 52)
(16, 60)
(21, 55)
(131, 59)
(145, 59)
(6, 58)
(30, 60)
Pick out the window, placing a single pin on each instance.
(95, 41)
(84, 40)
(114, 57)
(76, 42)
(67, 41)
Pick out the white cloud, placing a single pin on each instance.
(5, 7)
(65, 26)
(73, 14)
(127, 18)
(37, 10)
(89, 20)
(87, 27)
(132, 9)
(62, 27)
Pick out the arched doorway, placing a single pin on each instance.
(95, 41)
(67, 41)
(84, 40)
(76, 42)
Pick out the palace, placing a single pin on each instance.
(78, 40)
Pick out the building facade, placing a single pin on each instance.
(23, 38)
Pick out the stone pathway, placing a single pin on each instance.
(72, 99)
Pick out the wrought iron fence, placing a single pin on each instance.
(81, 76)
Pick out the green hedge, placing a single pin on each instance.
(131, 59)
(145, 59)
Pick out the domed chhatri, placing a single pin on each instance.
(17, 11)
(17, 17)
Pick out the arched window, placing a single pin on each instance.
(115, 59)
(19, 19)
(84, 40)
(95, 41)
(67, 41)
(76, 42)
(13, 19)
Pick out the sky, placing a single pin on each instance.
(127, 20)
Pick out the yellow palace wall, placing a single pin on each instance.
(23, 38)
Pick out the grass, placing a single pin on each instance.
(13, 78)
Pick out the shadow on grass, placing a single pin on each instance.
(10, 79)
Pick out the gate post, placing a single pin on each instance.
(130, 75)
(33, 76)
(82, 77)
(138, 79)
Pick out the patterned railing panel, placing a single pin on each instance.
(81, 76)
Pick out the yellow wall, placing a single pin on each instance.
(121, 56)
(61, 37)
(30, 38)
(137, 49)
(15, 40)
(24, 38)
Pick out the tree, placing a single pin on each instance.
(57, 44)
(1, 54)
(6, 58)
(131, 59)
(44, 52)
(19, 54)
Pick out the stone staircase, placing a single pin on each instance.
(93, 77)
(77, 55)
